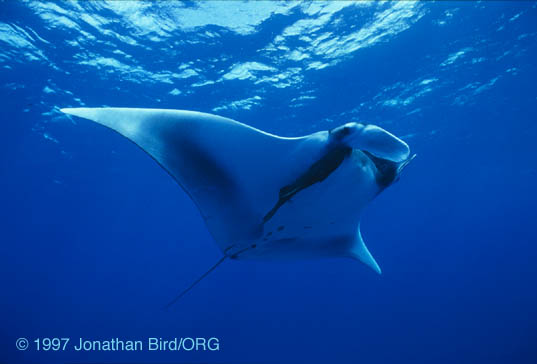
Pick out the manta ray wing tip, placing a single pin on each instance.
(360, 252)
(376, 268)
(68, 110)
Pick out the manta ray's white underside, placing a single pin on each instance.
(263, 196)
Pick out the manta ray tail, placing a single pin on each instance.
(183, 292)
(360, 252)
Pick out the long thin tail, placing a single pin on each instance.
(195, 282)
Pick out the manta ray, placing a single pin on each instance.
(264, 196)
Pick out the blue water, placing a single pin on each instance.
(96, 237)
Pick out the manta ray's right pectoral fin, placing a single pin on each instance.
(360, 252)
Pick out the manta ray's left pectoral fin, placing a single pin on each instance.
(360, 252)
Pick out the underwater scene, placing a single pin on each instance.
(268, 182)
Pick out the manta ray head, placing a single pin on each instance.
(389, 154)
(341, 132)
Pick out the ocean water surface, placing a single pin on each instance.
(96, 238)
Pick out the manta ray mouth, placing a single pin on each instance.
(387, 170)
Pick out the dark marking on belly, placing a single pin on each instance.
(280, 228)
(308, 227)
(318, 172)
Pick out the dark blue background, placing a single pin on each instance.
(96, 238)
